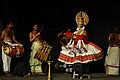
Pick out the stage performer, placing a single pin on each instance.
(37, 41)
(112, 60)
(8, 38)
(80, 49)
(64, 38)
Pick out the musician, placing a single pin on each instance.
(112, 59)
(7, 38)
(37, 41)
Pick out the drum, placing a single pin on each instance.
(43, 52)
(13, 51)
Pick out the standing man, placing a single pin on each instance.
(7, 38)
(36, 40)
(112, 60)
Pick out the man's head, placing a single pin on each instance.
(35, 27)
(117, 29)
(10, 24)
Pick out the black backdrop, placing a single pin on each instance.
(59, 15)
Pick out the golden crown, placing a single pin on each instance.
(82, 18)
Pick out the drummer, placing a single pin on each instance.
(37, 41)
(8, 38)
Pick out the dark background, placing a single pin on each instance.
(59, 15)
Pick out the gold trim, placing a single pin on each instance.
(82, 18)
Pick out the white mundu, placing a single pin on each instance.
(112, 61)
(7, 59)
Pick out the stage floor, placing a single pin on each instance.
(62, 76)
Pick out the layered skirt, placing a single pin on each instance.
(89, 52)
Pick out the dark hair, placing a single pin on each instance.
(10, 21)
(117, 29)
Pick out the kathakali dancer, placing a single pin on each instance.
(80, 49)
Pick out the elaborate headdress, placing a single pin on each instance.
(82, 18)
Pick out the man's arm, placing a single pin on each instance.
(109, 39)
(119, 40)
(14, 39)
(31, 36)
(1, 38)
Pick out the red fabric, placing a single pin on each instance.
(82, 37)
(68, 34)
(90, 57)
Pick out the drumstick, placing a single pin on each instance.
(41, 28)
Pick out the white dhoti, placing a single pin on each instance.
(112, 61)
(35, 63)
(6, 61)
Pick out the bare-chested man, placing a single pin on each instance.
(7, 38)
(112, 60)
(36, 41)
